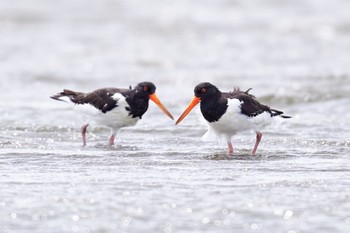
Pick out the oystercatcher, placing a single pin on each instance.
(228, 113)
(113, 107)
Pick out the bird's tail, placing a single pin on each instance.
(65, 93)
(275, 112)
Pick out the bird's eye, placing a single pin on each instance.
(203, 90)
(145, 88)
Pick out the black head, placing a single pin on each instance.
(206, 91)
(144, 92)
(146, 88)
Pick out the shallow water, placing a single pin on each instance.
(160, 177)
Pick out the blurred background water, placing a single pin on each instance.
(160, 177)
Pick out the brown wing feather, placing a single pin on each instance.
(250, 105)
(100, 99)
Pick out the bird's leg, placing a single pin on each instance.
(258, 138)
(230, 148)
(111, 139)
(83, 133)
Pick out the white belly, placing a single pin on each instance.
(234, 121)
(116, 118)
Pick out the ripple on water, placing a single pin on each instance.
(160, 177)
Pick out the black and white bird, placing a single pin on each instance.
(228, 113)
(113, 107)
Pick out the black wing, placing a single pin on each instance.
(100, 99)
(250, 106)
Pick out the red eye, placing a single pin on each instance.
(145, 88)
(203, 90)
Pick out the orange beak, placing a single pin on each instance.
(193, 103)
(155, 99)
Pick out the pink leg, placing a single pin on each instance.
(258, 138)
(230, 148)
(83, 133)
(111, 140)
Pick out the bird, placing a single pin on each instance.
(112, 107)
(228, 113)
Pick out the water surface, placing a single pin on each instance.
(160, 177)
